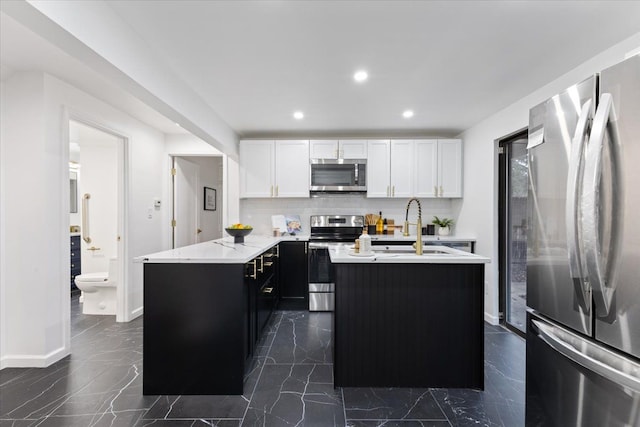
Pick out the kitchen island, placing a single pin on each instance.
(407, 320)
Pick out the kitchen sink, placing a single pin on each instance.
(408, 250)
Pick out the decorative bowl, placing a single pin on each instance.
(238, 233)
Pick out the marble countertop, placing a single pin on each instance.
(403, 255)
(220, 251)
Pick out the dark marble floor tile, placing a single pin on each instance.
(302, 337)
(119, 343)
(40, 391)
(391, 403)
(472, 408)
(195, 407)
(388, 423)
(188, 423)
(296, 395)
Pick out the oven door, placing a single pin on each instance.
(321, 284)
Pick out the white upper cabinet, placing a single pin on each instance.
(352, 149)
(292, 169)
(379, 168)
(425, 168)
(323, 149)
(438, 168)
(402, 158)
(334, 149)
(449, 168)
(274, 168)
(257, 168)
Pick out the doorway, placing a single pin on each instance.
(197, 199)
(97, 207)
(513, 183)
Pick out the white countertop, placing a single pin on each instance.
(220, 251)
(224, 251)
(404, 255)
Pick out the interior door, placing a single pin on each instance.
(185, 207)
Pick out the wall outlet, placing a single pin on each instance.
(150, 213)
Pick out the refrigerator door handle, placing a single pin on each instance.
(603, 292)
(593, 357)
(574, 183)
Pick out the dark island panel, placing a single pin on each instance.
(409, 325)
(195, 328)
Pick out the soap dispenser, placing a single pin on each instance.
(365, 242)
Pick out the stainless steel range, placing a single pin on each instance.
(328, 231)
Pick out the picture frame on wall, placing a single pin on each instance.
(209, 199)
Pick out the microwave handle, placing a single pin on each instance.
(357, 180)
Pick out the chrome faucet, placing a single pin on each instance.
(418, 243)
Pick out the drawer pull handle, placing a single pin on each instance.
(267, 290)
(268, 264)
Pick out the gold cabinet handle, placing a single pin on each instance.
(441, 191)
(277, 191)
(267, 290)
(199, 231)
(261, 268)
(93, 248)
(388, 191)
(253, 275)
(393, 191)
(277, 251)
(435, 191)
(268, 264)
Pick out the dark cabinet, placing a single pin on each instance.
(75, 259)
(293, 276)
(261, 280)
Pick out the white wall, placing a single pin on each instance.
(35, 154)
(99, 178)
(478, 211)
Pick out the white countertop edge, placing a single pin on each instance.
(219, 251)
(454, 256)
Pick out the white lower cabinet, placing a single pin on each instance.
(274, 168)
(426, 168)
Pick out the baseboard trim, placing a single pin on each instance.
(136, 313)
(494, 320)
(33, 361)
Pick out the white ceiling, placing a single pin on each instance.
(256, 62)
(452, 62)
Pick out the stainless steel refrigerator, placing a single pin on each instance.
(583, 253)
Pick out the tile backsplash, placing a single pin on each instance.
(257, 212)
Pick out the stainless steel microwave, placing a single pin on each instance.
(338, 175)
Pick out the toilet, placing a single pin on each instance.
(99, 290)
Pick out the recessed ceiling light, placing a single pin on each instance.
(360, 76)
(298, 115)
(407, 114)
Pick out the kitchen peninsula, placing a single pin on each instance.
(203, 305)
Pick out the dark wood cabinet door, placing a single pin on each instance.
(293, 279)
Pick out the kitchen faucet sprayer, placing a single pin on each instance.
(418, 243)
